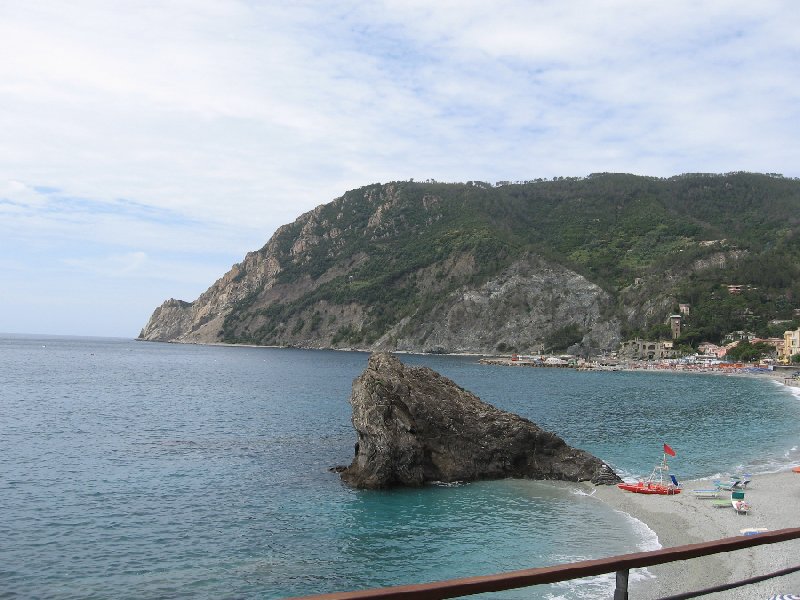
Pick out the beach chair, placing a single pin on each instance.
(746, 478)
(706, 494)
(727, 485)
(754, 531)
(720, 503)
(739, 505)
(675, 481)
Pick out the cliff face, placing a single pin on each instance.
(257, 301)
(415, 426)
(517, 308)
(201, 321)
(523, 303)
(547, 266)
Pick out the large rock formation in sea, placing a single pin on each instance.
(415, 426)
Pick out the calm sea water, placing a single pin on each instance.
(144, 470)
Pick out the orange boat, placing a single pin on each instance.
(796, 469)
(647, 487)
(655, 483)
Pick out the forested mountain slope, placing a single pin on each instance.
(573, 262)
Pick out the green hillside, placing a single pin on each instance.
(383, 247)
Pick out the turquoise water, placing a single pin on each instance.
(141, 470)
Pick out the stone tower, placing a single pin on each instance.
(675, 325)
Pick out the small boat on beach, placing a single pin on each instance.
(648, 487)
(655, 484)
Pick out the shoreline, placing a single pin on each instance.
(685, 519)
(505, 360)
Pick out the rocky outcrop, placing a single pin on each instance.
(415, 426)
(523, 303)
(517, 308)
(201, 321)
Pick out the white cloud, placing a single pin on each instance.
(169, 127)
(116, 265)
(16, 196)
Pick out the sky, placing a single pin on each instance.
(146, 147)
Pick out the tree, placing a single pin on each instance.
(747, 352)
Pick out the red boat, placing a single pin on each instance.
(648, 487)
(655, 483)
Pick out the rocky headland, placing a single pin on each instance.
(415, 426)
(540, 267)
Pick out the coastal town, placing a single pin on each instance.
(780, 356)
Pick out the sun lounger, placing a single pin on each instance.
(753, 530)
(720, 503)
(728, 485)
(739, 505)
(706, 493)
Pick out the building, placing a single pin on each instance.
(643, 350)
(791, 344)
(683, 309)
(712, 349)
(738, 336)
(675, 326)
(737, 288)
(776, 343)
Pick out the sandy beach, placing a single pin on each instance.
(686, 519)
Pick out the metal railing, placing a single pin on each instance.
(621, 565)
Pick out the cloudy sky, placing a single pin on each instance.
(145, 147)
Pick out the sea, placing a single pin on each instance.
(147, 470)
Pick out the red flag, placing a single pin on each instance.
(669, 450)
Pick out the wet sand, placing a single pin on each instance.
(686, 519)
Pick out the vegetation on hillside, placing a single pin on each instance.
(707, 232)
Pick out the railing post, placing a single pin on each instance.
(621, 592)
